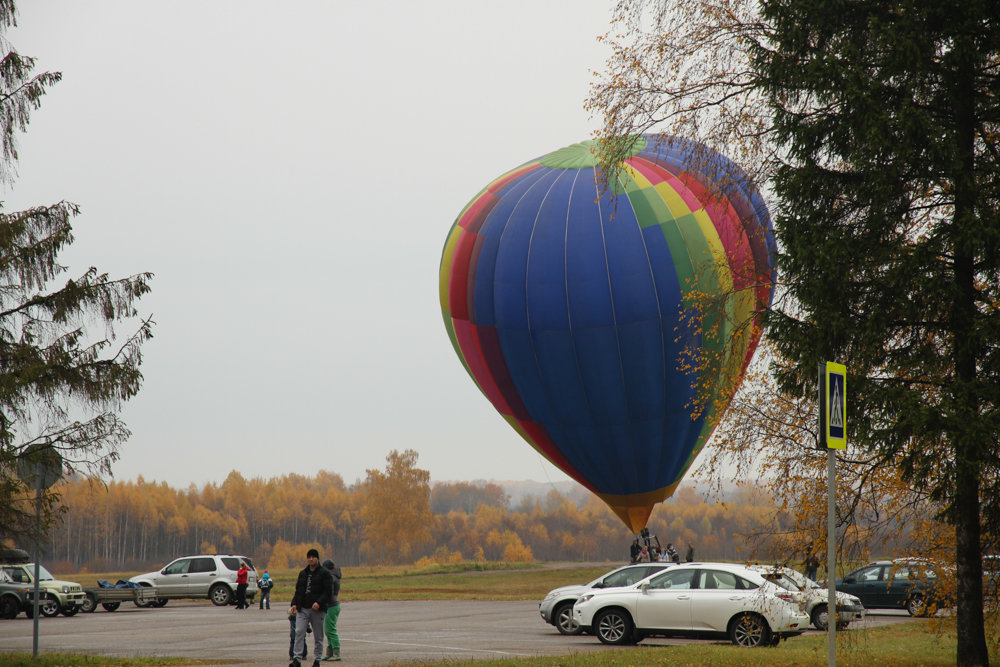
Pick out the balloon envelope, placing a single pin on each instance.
(611, 326)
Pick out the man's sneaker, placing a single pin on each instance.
(295, 663)
(335, 656)
(316, 662)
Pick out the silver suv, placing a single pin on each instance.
(211, 576)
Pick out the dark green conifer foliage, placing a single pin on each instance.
(63, 371)
(887, 115)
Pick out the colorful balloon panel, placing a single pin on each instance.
(610, 328)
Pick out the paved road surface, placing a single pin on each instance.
(372, 633)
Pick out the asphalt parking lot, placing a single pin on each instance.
(372, 633)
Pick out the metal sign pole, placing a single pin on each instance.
(38, 532)
(831, 557)
(833, 436)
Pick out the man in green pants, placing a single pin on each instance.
(332, 613)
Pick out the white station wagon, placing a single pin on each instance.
(709, 599)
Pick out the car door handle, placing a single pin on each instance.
(683, 597)
(735, 597)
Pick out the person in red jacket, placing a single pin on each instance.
(241, 585)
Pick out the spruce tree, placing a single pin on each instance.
(63, 371)
(885, 116)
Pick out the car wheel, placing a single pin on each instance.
(111, 606)
(162, 602)
(49, 606)
(749, 629)
(69, 610)
(89, 603)
(916, 606)
(613, 626)
(819, 617)
(9, 606)
(221, 595)
(29, 610)
(564, 619)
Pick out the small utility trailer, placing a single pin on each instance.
(111, 597)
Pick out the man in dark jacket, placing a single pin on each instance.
(312, 595)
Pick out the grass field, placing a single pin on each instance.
(923, 642)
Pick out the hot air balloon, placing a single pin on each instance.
(609, 321)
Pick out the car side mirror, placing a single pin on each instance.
(849, 580)
(599, 584)
(163, 571)
(644, 587)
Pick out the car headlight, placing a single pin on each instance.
(584, 598)
(549, 596)
(65, 589)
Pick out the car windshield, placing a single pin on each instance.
(43, 574)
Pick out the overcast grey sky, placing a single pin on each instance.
(289, 171)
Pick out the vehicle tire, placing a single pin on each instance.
(220, 595)
(614, 626)
(915, 606)
(750, 630)
(89, 603)
(819, 617)
(563, 616)
(161, 602)
(49, 606)
(111, 606)
(29, 610)
(69, 611)
(10, 606)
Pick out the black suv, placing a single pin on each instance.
(913, 584)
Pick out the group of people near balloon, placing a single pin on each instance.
(646, 548)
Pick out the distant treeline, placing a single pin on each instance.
(135, 525)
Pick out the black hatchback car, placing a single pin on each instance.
(911, 584)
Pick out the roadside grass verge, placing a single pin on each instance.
(925, 643)
(24, 659)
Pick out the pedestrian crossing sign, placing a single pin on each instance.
(835, 405)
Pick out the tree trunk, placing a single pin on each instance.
(967, 442)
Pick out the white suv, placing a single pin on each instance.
(695, 599)
(211, 576)
(557, 607)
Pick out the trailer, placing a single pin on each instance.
(111, 597)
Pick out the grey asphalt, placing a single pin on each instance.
(372, 633)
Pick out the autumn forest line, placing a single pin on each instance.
(393, 517)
